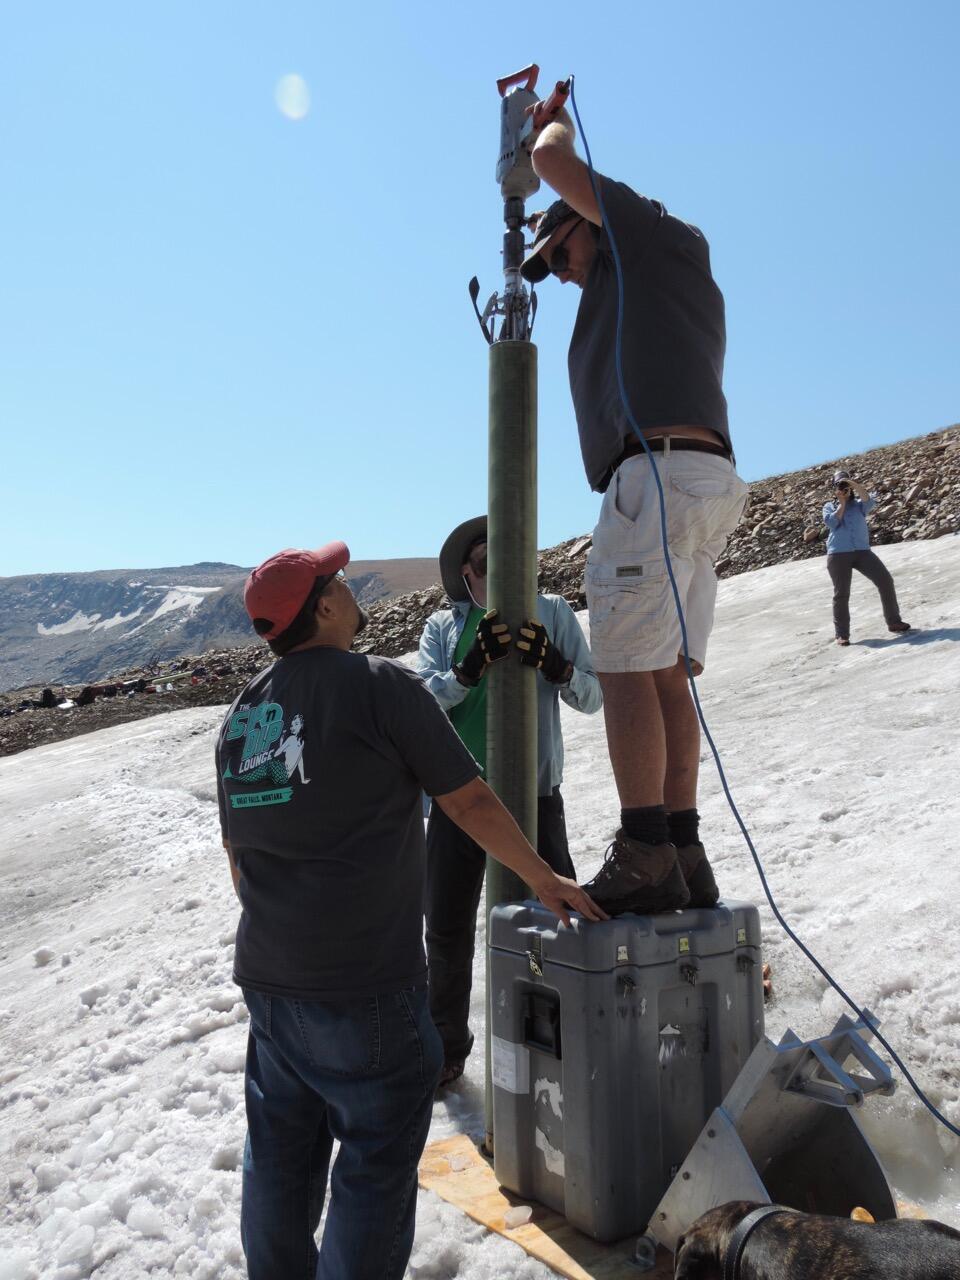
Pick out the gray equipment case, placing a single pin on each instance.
(611, 1044)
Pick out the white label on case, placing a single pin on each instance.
(511, 1065)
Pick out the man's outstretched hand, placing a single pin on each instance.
(561, 896)
(479, 814)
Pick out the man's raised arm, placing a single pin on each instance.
(556, 162)
(477, 811)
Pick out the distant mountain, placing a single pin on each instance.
(70, 628)
(77, 628)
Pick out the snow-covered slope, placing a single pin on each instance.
(121, 1120)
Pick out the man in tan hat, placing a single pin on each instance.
(321, 762)
(672, 336)
(457, 648)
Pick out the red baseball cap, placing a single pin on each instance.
(276, 590)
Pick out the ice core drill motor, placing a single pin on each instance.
(522, 116)
(512, 488)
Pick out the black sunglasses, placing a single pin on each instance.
(560, 257)
(321, 584)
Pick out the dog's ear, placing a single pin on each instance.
(695, 1260)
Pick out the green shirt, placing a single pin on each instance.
(469, 717)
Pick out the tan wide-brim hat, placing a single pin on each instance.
(454, 552)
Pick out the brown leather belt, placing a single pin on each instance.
(656, 445)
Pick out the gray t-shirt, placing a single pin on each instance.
(320, 766)
(674, 333)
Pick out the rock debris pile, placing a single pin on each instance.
(31, 717)
(917, 482)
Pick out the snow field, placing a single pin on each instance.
(121, 1109)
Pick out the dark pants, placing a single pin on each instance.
(840, 566)
(361, 1071)
(455, 867)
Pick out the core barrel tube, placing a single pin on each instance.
(512, 591)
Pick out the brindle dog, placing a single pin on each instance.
(802, 1246)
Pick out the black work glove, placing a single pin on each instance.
(538, 650)
(491, 645)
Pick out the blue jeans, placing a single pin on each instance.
(363, 1072)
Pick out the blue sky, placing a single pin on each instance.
(223, 331)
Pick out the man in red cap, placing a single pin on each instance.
(321, 762)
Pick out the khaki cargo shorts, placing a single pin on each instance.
(633, 618)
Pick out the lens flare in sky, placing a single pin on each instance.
(292, 96)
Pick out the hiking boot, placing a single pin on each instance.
(899, 626)
(450, 1072)
(698, 874)
(843, 641)
(645, 878)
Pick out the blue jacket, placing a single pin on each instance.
(434, 664)
(850, 533)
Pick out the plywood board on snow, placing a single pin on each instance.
(459, 1174)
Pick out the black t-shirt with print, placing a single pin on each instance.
(674, 332)
(320, 765)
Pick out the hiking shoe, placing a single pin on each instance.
(698, 874)
(842, 640)
(899, 626)
(645, 878)
(450, 1072)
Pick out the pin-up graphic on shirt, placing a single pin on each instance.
(291, 749)
(266, 754)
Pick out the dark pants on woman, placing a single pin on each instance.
(455, 867)
(840, 566)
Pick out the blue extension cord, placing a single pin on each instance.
(863, 1017)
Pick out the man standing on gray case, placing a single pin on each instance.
(321, 762)
(848, 548)
(673, 342)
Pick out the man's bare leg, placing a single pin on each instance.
(636, 739)
(680, 786)
(682, 732)
(641, 872)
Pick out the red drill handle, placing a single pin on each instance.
(548, 108)
(529, 74)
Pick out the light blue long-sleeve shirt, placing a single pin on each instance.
(849, 533)
(434, 665)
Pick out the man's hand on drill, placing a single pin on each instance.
(491, 645)
(565, 131)
(538, 650)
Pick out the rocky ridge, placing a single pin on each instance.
(917, 482)
(85, 627)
